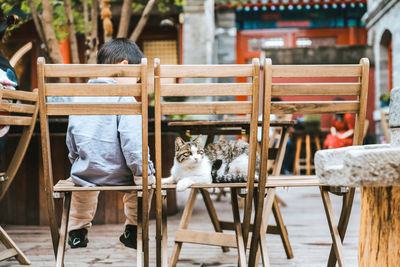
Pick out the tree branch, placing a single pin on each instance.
(126, 12)
(71, 32)
(94, 41)
(86, 18)
(38, 24)
(143, 20)
(50, 36)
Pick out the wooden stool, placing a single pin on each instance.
(305, 163)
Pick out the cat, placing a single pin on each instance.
(224, 161)
(191, 165)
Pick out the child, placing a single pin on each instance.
(105, 150)
(8, 78)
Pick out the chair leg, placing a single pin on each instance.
(262, 243)
(212, 213)
(296, 168)
(238, 229)
(343, 222)
(282, 229)
(317, 142)
(187, 213)
(63, 229)
(139, 249)
(308, 154)
(164, 241)
(337, 242)
(51, 211)
(13, 250)
(280, 201)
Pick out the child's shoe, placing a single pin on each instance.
(78, 238)
(129, 237)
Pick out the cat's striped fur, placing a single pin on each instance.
(229, 160)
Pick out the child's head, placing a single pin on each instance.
(117, 50)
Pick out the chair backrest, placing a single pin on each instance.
(347, 81)
(53, 81)
(20, 109)
(213, 106)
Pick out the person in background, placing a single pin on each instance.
(341, 131)
(8, 78)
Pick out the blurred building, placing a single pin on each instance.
(382, 23)
(294, 32)
(290, 23)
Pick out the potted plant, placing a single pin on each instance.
(385, 99)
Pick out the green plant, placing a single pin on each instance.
(385, 97)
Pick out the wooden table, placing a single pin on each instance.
(221, 127)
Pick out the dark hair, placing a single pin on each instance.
(117, 50)
(340, 116)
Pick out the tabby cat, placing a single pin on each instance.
(224, 161)
(191, 165)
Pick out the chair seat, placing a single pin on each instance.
(293, 181)
(67, 186)
(272, 181)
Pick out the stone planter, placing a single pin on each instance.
(371, 165)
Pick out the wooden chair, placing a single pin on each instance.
(17, 114)
(63, 189)
(211, 107)
(357, 89)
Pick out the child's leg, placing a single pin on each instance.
(130, 208)
(83, 209)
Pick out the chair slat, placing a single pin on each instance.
(18, 108)
(205, 71)
(94, 109)
(91, 70)
(176, 108)
(207, 89)
(15, 120)
(19, 95)
(65, 186)
(303, 89)
(92, 89)
(316, 71)
(314, 107)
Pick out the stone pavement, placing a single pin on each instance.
(304, 217)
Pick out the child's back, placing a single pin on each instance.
(105, 150)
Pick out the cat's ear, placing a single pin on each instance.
(178, 143)
(197, 139)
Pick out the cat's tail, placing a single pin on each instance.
(233, 178)
(230, 178)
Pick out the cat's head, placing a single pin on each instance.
(189, 152)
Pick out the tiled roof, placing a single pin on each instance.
(289, 4)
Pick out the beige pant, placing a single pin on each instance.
(84, 205)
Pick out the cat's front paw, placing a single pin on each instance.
(168, 180)
(180, 187)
